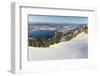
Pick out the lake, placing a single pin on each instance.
(41, 34)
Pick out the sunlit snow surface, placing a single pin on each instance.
(73, 49)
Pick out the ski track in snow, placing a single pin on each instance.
(73, 49)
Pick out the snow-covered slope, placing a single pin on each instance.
(75, 48)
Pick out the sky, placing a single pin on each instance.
(57, 19)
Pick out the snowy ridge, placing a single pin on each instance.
(75, 48)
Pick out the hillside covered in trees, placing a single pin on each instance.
(57, 37)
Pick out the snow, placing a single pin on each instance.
(73, 49)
